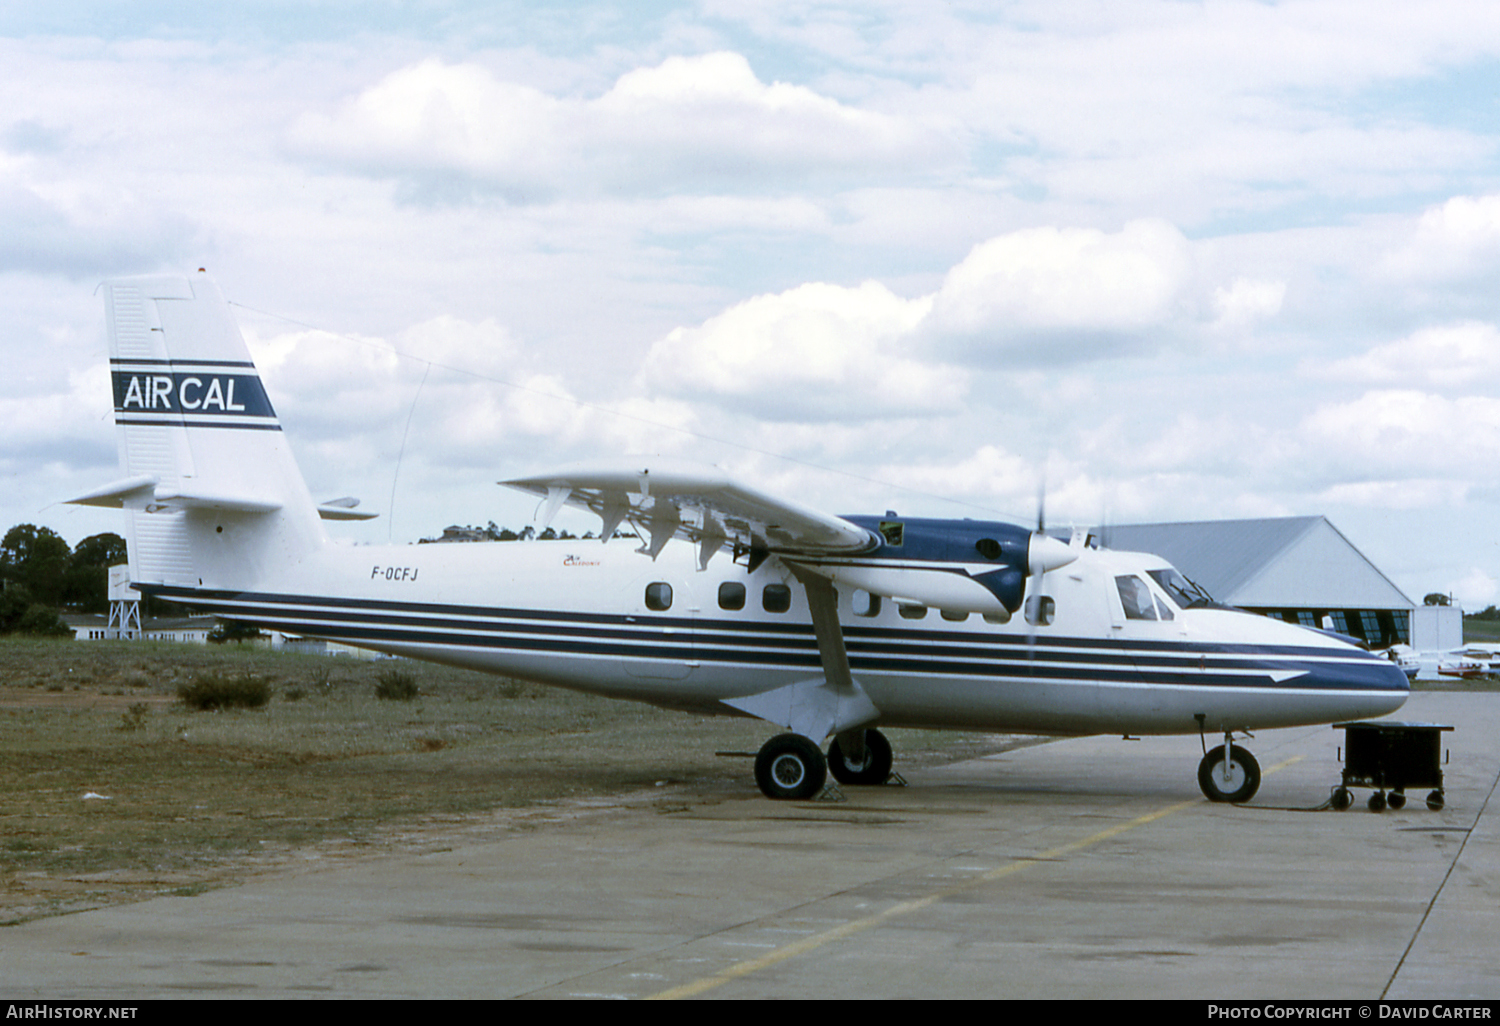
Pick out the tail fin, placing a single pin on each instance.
(213, 496)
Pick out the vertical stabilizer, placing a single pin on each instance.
(213, 496)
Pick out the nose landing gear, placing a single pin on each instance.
(1229, 773)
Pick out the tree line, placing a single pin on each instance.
(41, 573)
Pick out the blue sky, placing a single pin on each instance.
(1182, 260)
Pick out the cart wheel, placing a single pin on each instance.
(1342, 799)
(1377, 801)
(1435, 800)
(1397, 799)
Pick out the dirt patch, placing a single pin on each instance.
(117, 792)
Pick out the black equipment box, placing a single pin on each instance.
(1391, 757)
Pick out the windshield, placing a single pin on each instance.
(1181, 590)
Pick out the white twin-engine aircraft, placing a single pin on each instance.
(824, 626)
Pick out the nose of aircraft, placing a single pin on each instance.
(1371, 685)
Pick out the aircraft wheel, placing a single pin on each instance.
(790, 766)
(1342, 799)
(1435, 800)
(1396, 799)
(1243, 777)
(1377, 802)
(875, 768)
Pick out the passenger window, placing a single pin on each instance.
(865, 604)
(1003, 616)
(955, 615)
(731, 595)
(659, 596)
(777, 598)
(1135, 596)
(911, 612)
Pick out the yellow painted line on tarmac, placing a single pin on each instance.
(742, 969)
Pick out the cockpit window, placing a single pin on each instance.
(1135, 596)
(1179, 589)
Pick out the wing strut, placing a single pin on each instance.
(833, 704)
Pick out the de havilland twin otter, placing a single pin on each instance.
(736, 602)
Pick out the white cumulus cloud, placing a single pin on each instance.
(1452, 356)
(817, 352)
(687, 123)
(1067, 278)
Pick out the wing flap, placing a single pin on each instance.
(700, 503)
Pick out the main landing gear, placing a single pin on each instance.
(791, 767)
(1229, 773)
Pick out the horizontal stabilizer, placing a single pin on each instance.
(119, 494)
(148, 494)
(343, 509)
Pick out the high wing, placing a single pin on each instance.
(664, 499)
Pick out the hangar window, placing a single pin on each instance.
(659, 596)
(1135, 596)
(776, 598)
(731, 595)
(865, 604)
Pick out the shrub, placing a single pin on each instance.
(396, 685)
(232, 630)
(135, 718)
(42, 622)
(210, 691)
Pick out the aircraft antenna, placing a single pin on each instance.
(390, 520)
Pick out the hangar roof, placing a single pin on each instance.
(1281, 562)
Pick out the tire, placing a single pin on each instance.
(1377, 802)
(1342, 799)
(1244, 776)
(876, 767)
(1396, 799)
(790, 768)
(1435, 800)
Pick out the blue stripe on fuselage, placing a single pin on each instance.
(793, 645)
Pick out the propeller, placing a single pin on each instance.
(1043, 553)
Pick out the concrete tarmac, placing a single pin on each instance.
(1084, 868)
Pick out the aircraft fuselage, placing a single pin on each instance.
(604, 619)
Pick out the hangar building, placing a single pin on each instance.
(1299, 569)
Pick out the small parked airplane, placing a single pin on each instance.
(825, 626)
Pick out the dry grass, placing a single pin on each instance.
(188, 800)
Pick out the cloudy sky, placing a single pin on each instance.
(1181, 260)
